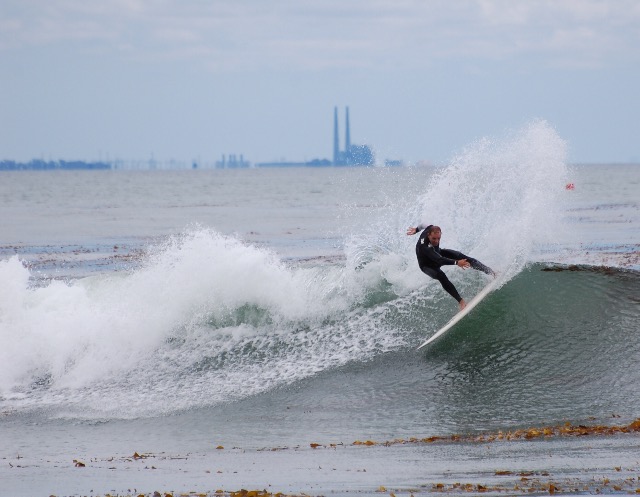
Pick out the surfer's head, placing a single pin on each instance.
(433, 235)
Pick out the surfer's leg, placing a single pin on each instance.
(438, 274)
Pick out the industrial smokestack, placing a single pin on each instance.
(336, 140)
(347, 139)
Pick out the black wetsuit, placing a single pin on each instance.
(431, 259)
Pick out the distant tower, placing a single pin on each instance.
(347, 139)
(336, 140)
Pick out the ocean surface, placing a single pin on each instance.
(194, 332)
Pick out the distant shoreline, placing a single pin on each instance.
(40, 165)
(62, 165)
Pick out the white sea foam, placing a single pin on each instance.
(108, 341)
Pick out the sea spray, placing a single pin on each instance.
(497, 200)
(500, 198)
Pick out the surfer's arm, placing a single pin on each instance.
(412, 231)
(458, 258)
(438, 259)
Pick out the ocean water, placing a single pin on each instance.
(243, 328)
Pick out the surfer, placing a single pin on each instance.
(431, 258)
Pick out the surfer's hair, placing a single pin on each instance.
(432, 228)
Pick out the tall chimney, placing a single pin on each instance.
(347, 139)
(336, 140)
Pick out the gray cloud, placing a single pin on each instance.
(244, 34)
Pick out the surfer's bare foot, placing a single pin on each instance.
(462, 304)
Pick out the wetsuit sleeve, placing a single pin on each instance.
(421, 226)
(436, 259)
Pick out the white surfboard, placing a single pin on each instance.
(474, 302)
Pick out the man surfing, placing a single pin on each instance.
(431, 258)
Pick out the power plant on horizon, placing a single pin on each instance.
(352, 155)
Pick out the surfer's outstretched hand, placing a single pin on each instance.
(463, 263)
(411, 230)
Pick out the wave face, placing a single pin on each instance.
(207, 319)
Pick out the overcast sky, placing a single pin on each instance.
(195, 79)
